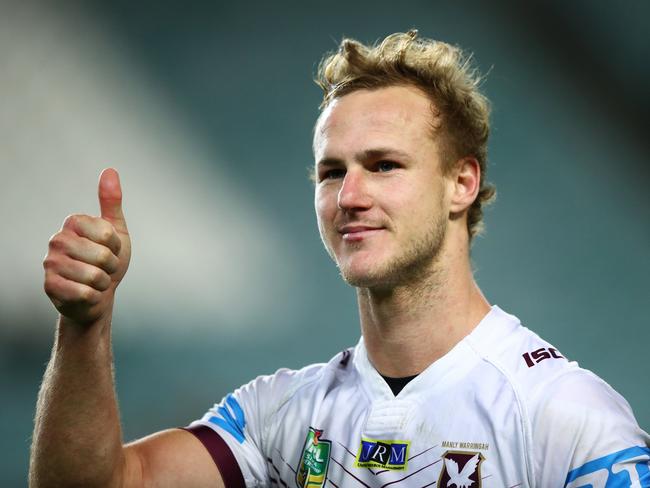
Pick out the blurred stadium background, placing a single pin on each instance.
(206, 109)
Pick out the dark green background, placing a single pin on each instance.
(566, 248)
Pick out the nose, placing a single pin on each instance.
(354, 194)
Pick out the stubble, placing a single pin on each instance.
(416, 266)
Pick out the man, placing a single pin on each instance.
(442, 390)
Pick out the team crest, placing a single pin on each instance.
(312, 468)
(461, 470)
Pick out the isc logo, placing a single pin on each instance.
(538, 355)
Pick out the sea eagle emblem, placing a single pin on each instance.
(461, 470)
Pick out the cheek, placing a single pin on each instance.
(323, 217)
(325, 206)
(429, 190)
(413, 203)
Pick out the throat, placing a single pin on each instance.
(397, 384)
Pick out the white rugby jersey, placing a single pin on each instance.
(502, 409)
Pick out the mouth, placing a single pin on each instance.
(355, 233)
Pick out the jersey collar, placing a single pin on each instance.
(486, 336)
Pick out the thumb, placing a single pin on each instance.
(110, 199)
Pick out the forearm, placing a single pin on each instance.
(77, 435)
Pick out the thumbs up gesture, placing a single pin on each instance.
(88, 257)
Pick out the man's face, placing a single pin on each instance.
(380, 191)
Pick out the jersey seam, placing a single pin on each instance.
(290, 394)
(523, 411)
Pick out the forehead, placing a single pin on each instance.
(394, 115)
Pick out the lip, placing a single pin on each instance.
(358, 232)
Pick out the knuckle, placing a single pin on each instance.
(49, 287)
(86, 294)
(104, 256)
(94, 297)
(105, 234)
(56, 242)
(97, 278)
(52, 286)
(71, 221)
(49, 262)
(63, 243)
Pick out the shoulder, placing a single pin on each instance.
(289, 384)
(520, 357)
(250, 417)
(544, 378)
(572, 419)
(584, 430)
(577, 404)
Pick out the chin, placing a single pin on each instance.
(364, 269)
(367, 277)
(389, 272)
(360, 281)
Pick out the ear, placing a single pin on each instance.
(465, 184)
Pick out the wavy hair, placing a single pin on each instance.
(443, 72)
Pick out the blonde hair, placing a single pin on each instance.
(443, 72)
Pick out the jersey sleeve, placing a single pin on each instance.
(584, 435)
(234, 430)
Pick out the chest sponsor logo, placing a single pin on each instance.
(382, 454)
(461, 470)
(312, 468)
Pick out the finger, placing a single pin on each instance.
(80, 272)
(63, 291)
(110, 199)
(84, 250)
(96, 229)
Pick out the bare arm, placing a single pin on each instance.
(77, 436)
(170, 459)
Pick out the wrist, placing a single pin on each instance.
(94, 331)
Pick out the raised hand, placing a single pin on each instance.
(89, 256)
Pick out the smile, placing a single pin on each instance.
(355, 233)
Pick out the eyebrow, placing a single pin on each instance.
(367, 155)
(381, 152)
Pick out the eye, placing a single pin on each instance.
(386, 166)
(332, 174)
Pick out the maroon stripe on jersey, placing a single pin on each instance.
(221, 455)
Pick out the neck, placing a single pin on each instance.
(409, 326)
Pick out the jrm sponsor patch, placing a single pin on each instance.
(374, 453)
